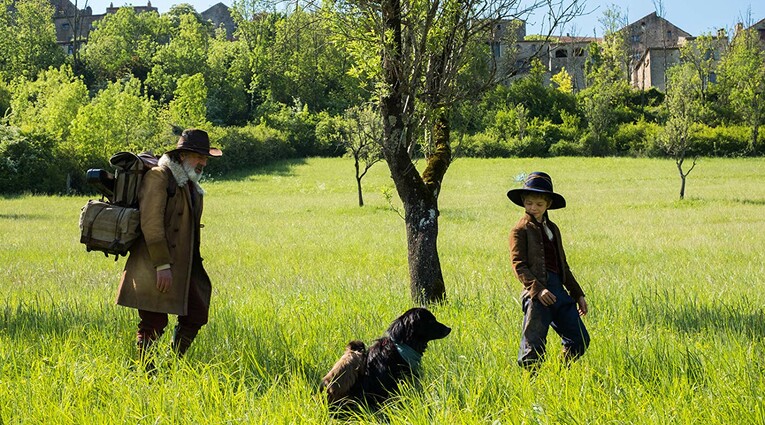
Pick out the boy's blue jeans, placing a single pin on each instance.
(564, 319)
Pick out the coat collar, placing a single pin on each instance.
(179, 173)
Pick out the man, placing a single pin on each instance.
(164, 273)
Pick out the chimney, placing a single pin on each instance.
(739, 28)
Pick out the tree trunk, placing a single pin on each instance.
(682, 177)
(358, 186)
(419, 194)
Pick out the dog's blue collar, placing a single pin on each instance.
(410, 356)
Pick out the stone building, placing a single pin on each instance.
(220, 16)
(75, 24)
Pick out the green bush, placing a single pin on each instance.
(483, 145)
(248, 147)
(722, 141)
(31, 163)
(636, 139)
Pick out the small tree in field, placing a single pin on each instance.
(359, 133)
(683, 104)
(363, 140)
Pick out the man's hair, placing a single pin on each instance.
(175, 156)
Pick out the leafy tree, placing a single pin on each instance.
(422, 48)
(742, 76)
(185, 54)
(118, 118)
(702, 53)
(607, 86)
(187, 109)
(683, 103)
(48, 104)
(228, 81)
(563, 81)
(27, 38)
(124, 43)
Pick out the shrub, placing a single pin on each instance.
(248, 147)
(31, 163)
(722, 141)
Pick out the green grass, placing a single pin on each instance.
(674, 287)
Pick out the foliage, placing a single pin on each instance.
(245, 148)
(228, 81)
(742, 77)
(124, 43)
(27, 39)
(184, 54)
(119, 118)
(48, 104)
(188, 107)
(31, 163)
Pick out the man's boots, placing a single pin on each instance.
(183, 336)
(145, 355)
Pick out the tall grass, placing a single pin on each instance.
(674, 287)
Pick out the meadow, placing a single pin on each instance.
(675, 290)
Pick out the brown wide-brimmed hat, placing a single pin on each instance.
(196, 140)
(537, 183)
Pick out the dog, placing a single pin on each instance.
(393, 358)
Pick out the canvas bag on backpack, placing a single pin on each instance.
(111, 225)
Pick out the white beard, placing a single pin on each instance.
(191, 172)
(182, 176)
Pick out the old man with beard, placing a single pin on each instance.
(164, 272)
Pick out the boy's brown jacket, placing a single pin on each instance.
(527, 254)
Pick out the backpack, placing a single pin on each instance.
(112, 224)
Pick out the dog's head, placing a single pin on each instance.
(416, 327)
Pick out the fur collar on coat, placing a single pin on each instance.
(181, 177)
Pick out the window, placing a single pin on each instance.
(561, 53)
(579, 51)
(636, 38)
(65, 26)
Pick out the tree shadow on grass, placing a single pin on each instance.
(693, 317)
(282, 168)
(25, 216)
(36, 319)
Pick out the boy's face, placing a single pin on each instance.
(536, 205)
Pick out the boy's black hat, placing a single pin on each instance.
(537, 182)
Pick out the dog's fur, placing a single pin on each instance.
(345, 372)
(385, 366)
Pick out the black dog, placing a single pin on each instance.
(392, 358)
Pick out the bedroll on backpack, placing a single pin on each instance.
(111, 225)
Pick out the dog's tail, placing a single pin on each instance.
(346, 371)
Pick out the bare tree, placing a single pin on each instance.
(363, 139)
(683, 103)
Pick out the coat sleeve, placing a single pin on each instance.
(520, 260)
(152, 200)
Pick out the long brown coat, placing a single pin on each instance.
(170, 230)
(527, 254)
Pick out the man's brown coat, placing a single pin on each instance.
(169, 228)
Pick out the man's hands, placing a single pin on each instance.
(164, 280)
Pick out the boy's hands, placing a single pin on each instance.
(581, 305)
(546, 297)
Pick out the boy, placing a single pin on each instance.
(539, 262)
